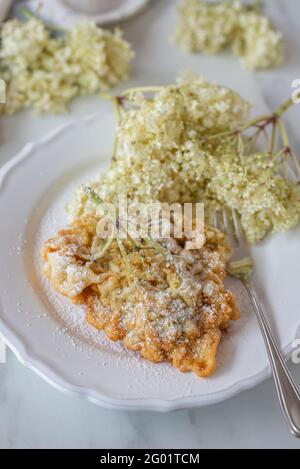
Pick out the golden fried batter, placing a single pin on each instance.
(175, 308)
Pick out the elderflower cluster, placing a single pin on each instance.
(46, 73)
(252, 185)
(159, 155)
(211, 27)
(258, 44)
(164, 153)
(207, 27)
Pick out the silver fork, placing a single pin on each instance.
(289, 397)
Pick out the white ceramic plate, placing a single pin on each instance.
(58, 11)
(49, 335)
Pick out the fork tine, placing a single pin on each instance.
(238, 227)
(216, 220)
(229, 229)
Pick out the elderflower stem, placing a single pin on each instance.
(31, 15)
(258, 6)
(247, 126)
(153, 244)
(28, 13)
(99, 201)
(287, 150)
(116, 225)
(284, 107)
(296, 163)
(273, 142)
(105, 248)
(283, 131)
(93, 195)
(118, 112)
(258, 120)
(125, 258)
(264, 118)
(116, 104)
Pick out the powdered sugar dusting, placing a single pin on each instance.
(72, 330)
(95, 360)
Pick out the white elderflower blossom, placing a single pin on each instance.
(46, 73)
(211, 27)
(258, 44)
(103, 57)
(206, 27)
(167, 151)
(23, 43)
(266, 200)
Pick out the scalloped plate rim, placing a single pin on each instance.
(54, 378)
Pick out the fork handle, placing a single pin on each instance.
(289, 397)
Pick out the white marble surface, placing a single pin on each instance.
(33, 415)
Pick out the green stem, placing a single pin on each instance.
(283, 131)
(247, 126)
(105, 248)
(118, 112)
(284, 107)
(29, 15)
(296, 163)
(160, 249)
(258, 6)
(153, 244)
(253, 140)
(93, 195)
(116, 104)
(273, 143)
(125, 258)
(241, 146)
